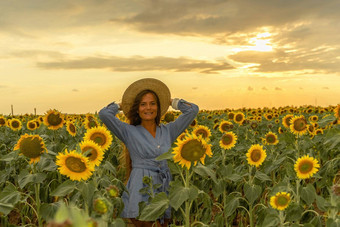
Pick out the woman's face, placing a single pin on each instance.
(147, 109)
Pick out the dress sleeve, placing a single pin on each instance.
(189, 113)
(108, 116)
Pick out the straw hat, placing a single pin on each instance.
(152, 84)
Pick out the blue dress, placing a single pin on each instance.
(144, 148)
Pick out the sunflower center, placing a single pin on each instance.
(227, 139)
(288, 120)
(255, 155)
(15, 124)
(300, 124)
(31, 148)
(270, 139)
(31, 125)
(192, 151)
(98, 138)
(239, 117)
(225, 127)
(282, 201)
(72, 128)
(90, 152)
(54, 119)
(92, 124)
(75, 164)
(202, 132)
(305, 166)
(2, 121)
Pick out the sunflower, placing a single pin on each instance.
(239, 118)
(15, 124)
(225, 126)
(53, 119)
(31, 146)
(92, 151)
(231, 115)
(90, 123)
(311, 129)
(71, 128)
(313, 118)
(286, 120)
(256, 155)
(193, 123)
(3, 121)
(271, 139)
(280, 201)
(74, 165)
(306, 167)
(337, 111)
(169, 117)
(228, 140)
(280, 130)
(298, 125)
(191, 149)
(268, 116)
(32, 125)
(318, 131)
(99, 135)
(201, 130)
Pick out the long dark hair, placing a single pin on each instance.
(133, 115)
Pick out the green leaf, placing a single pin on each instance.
(25, 178)
(252, 192)
(294, 212)
(165, 156)
(308, 194)
(48, 210)
(64, 189)
(271, 220)
(87, 190)
(231, 205)
(178, 194)
(9, 157)
(6, 208)
(321, 203)
(108, 166)
(156, 208)
(46, 164)
(262, 176)
(205, 172)
(119, 222)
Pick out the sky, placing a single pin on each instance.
(78, 56)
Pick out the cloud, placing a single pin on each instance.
(325, 88)
(206, 17)
(250, 88)
(278, 89)
(75, 90)
(264, 88)
(140, 63)
(3, 86)
(194, 88)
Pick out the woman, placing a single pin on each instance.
(143, 103)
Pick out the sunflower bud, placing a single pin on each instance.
(147, 180)
(100, 206)
(113, 191)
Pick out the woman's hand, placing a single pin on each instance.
(170, 102)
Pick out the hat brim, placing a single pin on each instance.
(152, 84)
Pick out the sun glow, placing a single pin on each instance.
(261, 42)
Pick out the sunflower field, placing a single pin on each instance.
(232, 167)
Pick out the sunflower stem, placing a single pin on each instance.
(187, 205)
(37, 197)
(251, 221)
(282, 218)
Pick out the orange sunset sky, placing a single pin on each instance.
(78, 56)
